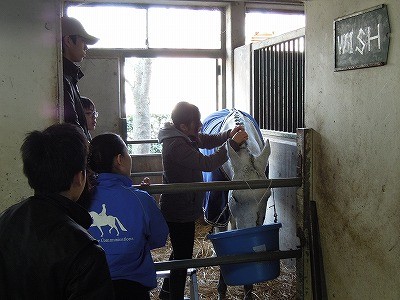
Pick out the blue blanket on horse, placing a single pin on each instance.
(215, 204)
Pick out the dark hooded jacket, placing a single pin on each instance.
(184, 163)
(46, 252)
(73, 110)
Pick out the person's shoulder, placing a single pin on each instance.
(177, 141)
(141, 197)
(75, 230)
(138, 193)
(72, 236)
(68, 219)
(14, 212)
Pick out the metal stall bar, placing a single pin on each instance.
(144, 174)
(176, 188)
(140, 142)
(225, 260)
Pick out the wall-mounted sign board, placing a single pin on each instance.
(362, 39)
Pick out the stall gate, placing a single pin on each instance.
(306, 254)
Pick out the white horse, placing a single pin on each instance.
(103, 219)
(247, 207)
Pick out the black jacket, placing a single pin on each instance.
(73, 110)
(46, 252)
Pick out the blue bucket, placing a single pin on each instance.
(243, 241)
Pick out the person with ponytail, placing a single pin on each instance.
(126, 221)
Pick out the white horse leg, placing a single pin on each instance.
(99, 227)
(113, 226)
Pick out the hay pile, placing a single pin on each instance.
(284, 287)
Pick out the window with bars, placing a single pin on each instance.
(278, 83)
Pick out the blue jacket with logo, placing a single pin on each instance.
(128, 224)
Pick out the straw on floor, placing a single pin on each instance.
(281, 288)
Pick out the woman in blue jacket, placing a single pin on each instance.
(126, 221)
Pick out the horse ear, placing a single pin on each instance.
(262, 159)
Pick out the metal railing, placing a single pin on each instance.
(223, 186)
(226, 260)
(176, 188)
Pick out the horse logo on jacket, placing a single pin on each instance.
(102, 219)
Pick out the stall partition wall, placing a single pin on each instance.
(30, 51)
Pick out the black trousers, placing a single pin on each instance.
(182, 241)
(130, 290)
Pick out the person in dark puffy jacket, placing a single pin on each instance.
(184, 163)
(46, 251)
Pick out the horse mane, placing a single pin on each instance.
(239, 121)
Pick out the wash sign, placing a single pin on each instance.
(362, 39)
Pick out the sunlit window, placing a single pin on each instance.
(184, 28)
(126, 26)
(154, 86)
(115, 26)
(262, 25)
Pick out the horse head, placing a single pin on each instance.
(93, 214)
(248, 206)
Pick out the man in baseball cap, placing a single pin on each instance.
(71, 26)
(74, 46)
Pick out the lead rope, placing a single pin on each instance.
(225, 208)
(273, 199)
(275, 214)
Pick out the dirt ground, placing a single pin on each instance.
(283, 287)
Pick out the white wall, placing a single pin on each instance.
(101, 85)
(28, 83)
(357, 151)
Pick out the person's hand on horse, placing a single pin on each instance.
(235, 130)
(240, 137)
